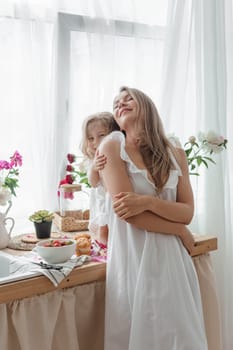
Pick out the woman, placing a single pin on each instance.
(152, 293)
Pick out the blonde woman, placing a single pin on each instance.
(152, 292)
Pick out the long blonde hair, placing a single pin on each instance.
(108, 121)
(154, 145)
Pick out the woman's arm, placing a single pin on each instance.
(129, 204)
(153, 223)
(114, 173)
(116, 179)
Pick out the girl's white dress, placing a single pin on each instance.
(97, 206)
(153, 300)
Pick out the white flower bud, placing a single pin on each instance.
(192, 139)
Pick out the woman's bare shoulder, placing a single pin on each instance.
(110, 145)
(181, 159)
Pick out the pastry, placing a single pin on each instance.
(30, 238)
(83, 235)
(83, 245)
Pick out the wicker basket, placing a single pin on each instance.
(73, 221)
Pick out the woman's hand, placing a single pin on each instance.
(187, 239)
(127, 204)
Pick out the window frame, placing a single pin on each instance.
(70, 22)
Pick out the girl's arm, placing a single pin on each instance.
(93, 176)
(98, 164)
(116, 180)
(129, 204)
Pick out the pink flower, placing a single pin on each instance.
(62, 182)
(9, 172)
(71, 157)
(69, 179)
(76, 171)
(69, 168)
(68, 195)
(4, 165)
(16, 159)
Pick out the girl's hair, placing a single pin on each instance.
(154, 145)
(107, 120)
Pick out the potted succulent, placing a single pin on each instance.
(42, 220)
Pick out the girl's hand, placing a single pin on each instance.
(99, 161)
(187, 239)
(127, 204)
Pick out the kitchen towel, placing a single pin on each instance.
(31, 263)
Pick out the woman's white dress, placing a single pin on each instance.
(153, 300)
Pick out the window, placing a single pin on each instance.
(96, 57)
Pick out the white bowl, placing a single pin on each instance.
(56, 255)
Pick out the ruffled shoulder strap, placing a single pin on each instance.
(120, 137)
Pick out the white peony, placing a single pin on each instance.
(211, 142)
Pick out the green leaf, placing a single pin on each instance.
(193, 166)
(81, 174)
(85, 181)
(199, 160)
(205, 163)
(209, 159)
(196, 174)
(41, 216)
(188, 151)
(11, 183)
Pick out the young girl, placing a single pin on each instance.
(95, 128)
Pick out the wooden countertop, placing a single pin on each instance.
(89, 272)
(204, 244)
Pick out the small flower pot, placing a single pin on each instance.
(43, 229)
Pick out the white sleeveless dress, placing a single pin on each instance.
(153, 300)
(97, 205)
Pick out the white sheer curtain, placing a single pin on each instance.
(197, 95)
(30, 115)
(27, 121)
